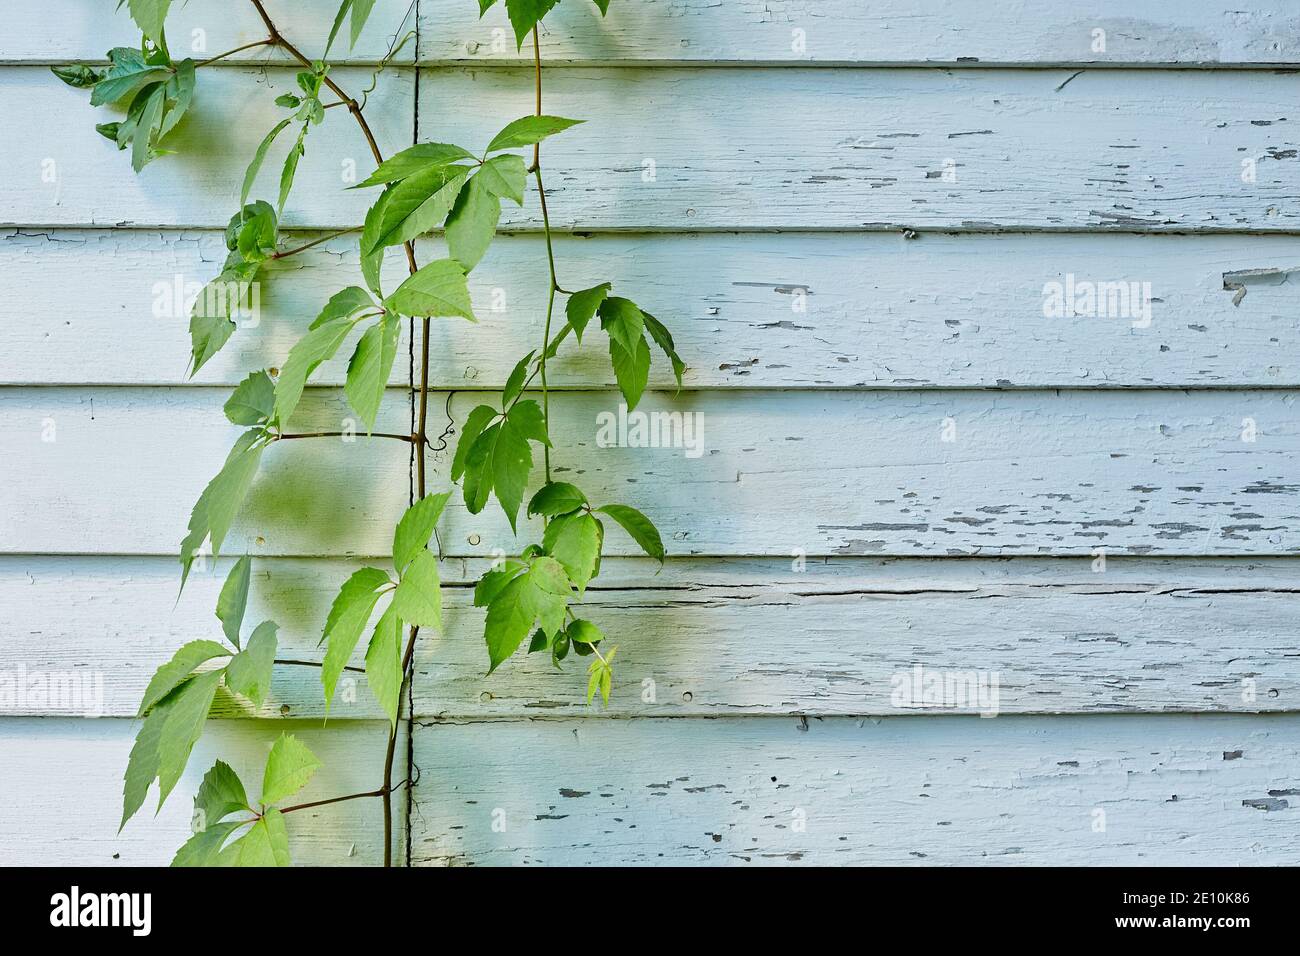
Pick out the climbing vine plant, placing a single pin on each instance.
(532, 597)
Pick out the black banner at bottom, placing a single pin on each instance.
(339, 905)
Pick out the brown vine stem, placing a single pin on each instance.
(406, 438)
(420, 436)
(550, 257)
(239, 49)
(311, 245)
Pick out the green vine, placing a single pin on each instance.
(533, 596)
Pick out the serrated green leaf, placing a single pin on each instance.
(249, 672)
(360, 13)
(603, 5)
(416, 205)
(148, 121)
(527, 416)
(127, 74)
(179, 96)
(204, 847)
(370, 366)
(265, 844)
(437, 290)
(478, 420)
(233, 599)
(259, 156)
(526, 14)
(221, 500)
(220, 794)
(556, 498)
(372, 262)
(641, 528)
(412, 160)
(290, 169)
(384, 662)
(515, 383)
(348, 617)
(187, 709)
(584, 632)
(416, 528)
(344, 304)
(317, 346)
(473, 223)
(523, 601)
(172, 674)
(574, 541)
(512, 462)
(492, 583)
(78, 76)
(528, 130)
(664, 339)
(150, 16)
(252, 401)
(583, 305)
(505, 176)
(632, 371)
(418, 598)
(624, 322)
(142, 765)
(210, 319)
(288, 769)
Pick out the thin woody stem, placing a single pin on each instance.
(359, 670)
(420, 437)
(406, 438)
(550, 258)
(315, 242)
(239, 49)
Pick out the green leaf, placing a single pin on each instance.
(172, 674)
(344, 304)
(574, 541)
(526, 14)
(180, 94)
(187, 709)
(249, 672)
(253, 400)
(360, 13)
(632, 371)
(624, 322)
(603, 5)
(416, 528)
(148, 121)
(473, 223)
(288, 769)
(384, 662)
(527, 599)
(492, 583)
(438, 289)
(370, 366)
(484, 6)
(505, 176)
(221, 500)
(512, 461)
(265, 844)
(204, 847)
(150, 16)
(556, 498)
(210, 319)
(478, 420)
(220, 794)
(372, 262)
(416, 205)
(253, 232)
(418, 598)
(127, 75)
(583, 305)
(290, 169)
(318, 345)
(527, 416)
(515, 383)
(80, 77)
(664, 339)
(412, 160)
(339, 17)
(528, 130)
(348, 617)
(584, 632)
(233, 599)
(258, 158)
(142, 765)
(641, 528)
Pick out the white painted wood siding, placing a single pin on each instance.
(843, 305)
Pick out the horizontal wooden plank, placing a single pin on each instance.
(1101, 790)
(1037, 32)
(62, 798)
(707, 637)
(69, 174)
(1110, 149)
(59, 31)
(747, 311)
(760, 473)
(850, 149)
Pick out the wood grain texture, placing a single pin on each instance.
(60, 31)
(1034, 32)
(1034, 473)
(62, 798)
(851, 149)
(747, 311)
(1216, 791)
(706, 638)
(72, 175)
(866, 149)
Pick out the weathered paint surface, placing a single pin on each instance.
(853, 261)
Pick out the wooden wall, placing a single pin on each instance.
(847, 214)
